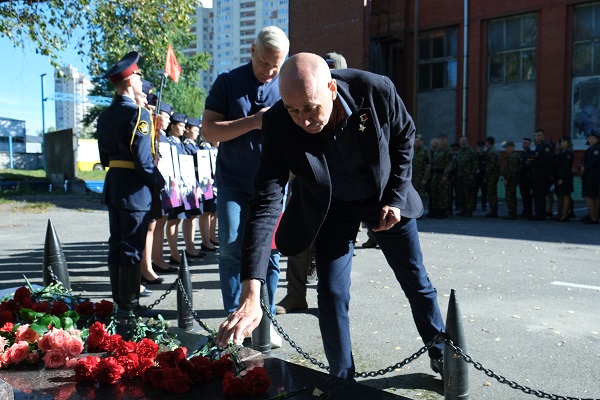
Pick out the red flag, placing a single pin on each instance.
(172, 67)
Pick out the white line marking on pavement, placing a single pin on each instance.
(558, 283)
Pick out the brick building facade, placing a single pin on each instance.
(530, 63)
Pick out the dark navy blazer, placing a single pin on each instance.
(387, 145)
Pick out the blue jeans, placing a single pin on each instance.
(232, 212)
(334, 250)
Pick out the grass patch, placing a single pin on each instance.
(92, 175)
(36, 208)
(9, 174)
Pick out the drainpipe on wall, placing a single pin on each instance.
(465, 60)
(416, 61)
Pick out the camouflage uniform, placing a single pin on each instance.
(512, 176)
(492, 174)
(441, 167)
(467, 162)
(420, 170)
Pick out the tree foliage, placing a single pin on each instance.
(102, 31)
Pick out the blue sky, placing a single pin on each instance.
(20, 84)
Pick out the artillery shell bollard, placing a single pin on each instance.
(261, 336)
(456, 373)
(54, 264)
(185, 319)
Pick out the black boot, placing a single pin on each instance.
(130, 277)
(113, 270)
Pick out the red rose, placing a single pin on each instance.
(104, 308)
(73, 347)
(171, 358)
(98, 338)
(108, 370)
(7, 327)
(22, 294)
(86, 308)
(42, 306)
(202, 369)
(58, 308)
(130, 363)
(222, 366)
(17, 353)
(26, 334)
(54, 358)
(146, 348)
(257, 380)
(6, 317)
(84, 370)
(175, 381)
(233, 386)
(123, 348)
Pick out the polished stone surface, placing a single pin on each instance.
(41, 384)
(6, 391)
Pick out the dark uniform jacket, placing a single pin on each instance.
(386, 141)
(124, 135)
(591, 162)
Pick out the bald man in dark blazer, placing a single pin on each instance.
(348, 139)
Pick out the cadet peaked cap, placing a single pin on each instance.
(151, 99)
(164, 107)
(335, 61)
(126, 67)
(146, 86)
(193, 122)
(179, 117)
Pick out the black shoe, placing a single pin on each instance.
(311, 277)
(371, 243)
(437, 366)
(206, 248)
(188, 255)
(156, 281)
(160, 270)
(215, 243)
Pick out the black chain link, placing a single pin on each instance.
(319, 364)
(503, 380)
(162, 296)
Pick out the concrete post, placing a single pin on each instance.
(185, 320)
(261, 336)
(456, 373)
(54, 259)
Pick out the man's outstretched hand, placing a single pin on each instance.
(240, 323)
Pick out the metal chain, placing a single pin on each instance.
(503, 380)
(319, 364)
(188, 303)
(162, 296)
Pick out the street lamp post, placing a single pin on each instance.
(43, 123)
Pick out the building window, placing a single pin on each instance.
(437, 59)
(512, 46)
(586, 36)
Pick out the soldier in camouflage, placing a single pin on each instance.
(512, 174)
(441, 167)
(467, 164)
(420, 167)
(492, 175)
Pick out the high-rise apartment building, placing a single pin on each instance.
(71, 104)
(228, 30)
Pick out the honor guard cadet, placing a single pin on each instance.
(126, 145)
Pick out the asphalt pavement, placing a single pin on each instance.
(529, 294)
